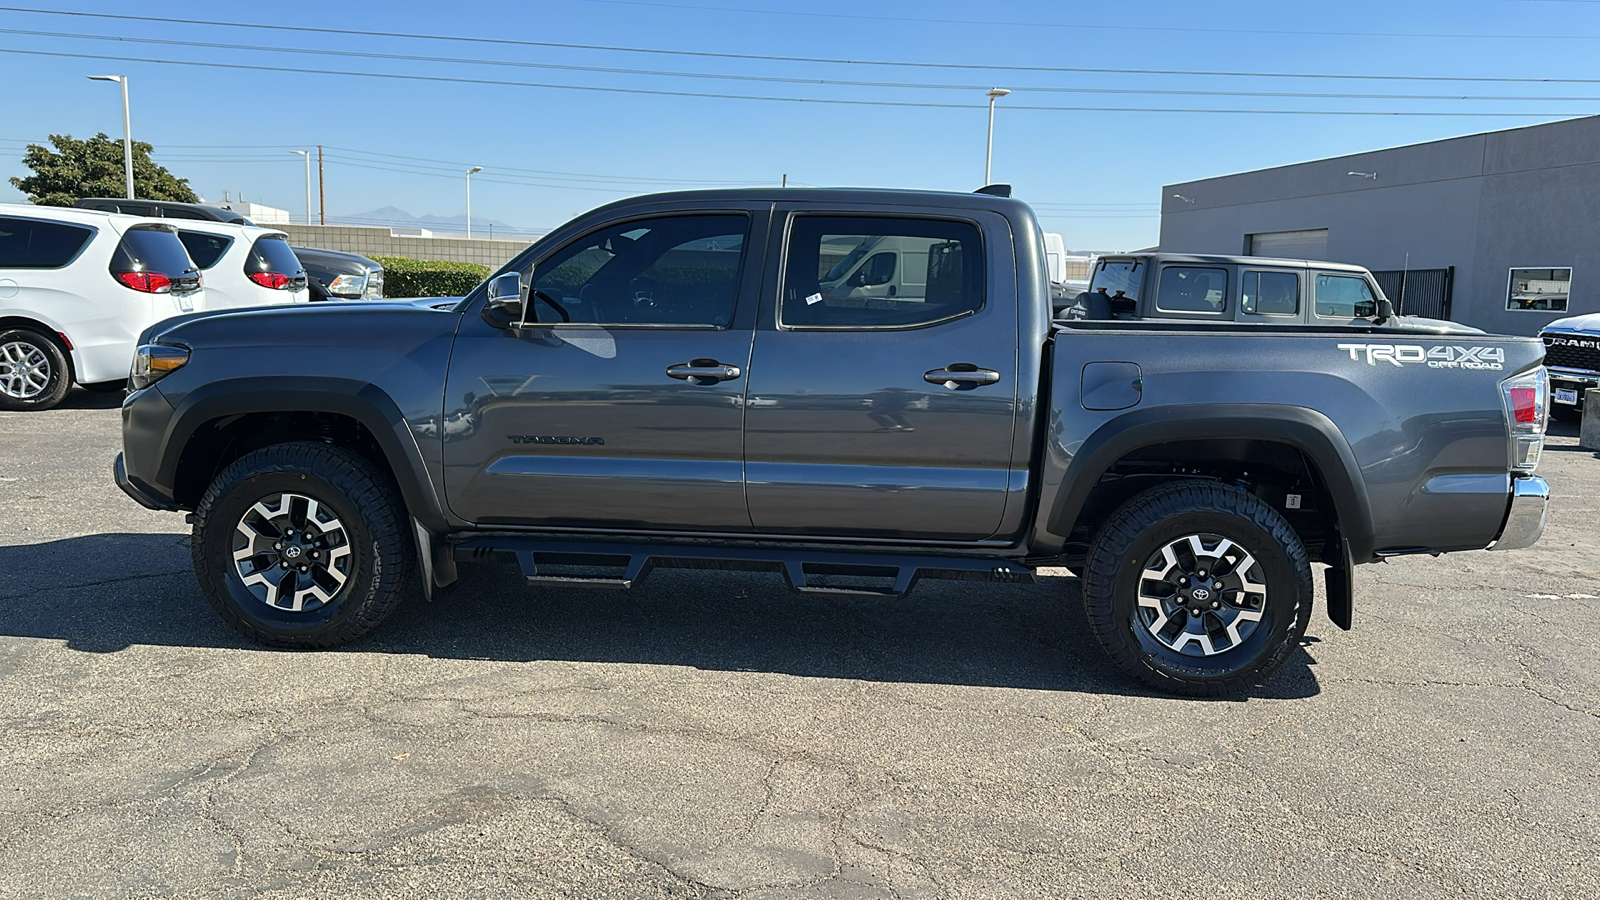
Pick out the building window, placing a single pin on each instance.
(1539, 290)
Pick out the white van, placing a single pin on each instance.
(878, 267)
(244, 265)
(76, 289)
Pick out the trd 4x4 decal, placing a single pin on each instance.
(1443, 357)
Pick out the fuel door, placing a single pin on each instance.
(1111, 385)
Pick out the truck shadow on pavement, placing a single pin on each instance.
(103, 593)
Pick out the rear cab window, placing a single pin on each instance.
(1345, 297)
(872, 272)
(205, 248)
(37, 244)
(1193, 289)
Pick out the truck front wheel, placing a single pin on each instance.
(302, 545)
(1197, 588)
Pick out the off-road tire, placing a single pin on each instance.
(363, 498)
(60, 374)
(1146, 523)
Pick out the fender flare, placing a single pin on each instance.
(362, 401)
(1304, 429)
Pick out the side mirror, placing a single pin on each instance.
(1385, 310)
(504, 306)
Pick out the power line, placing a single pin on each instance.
(773, 99)
(704, 54)
(772, 79)
(1087, 26)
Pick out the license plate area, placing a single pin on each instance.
(1565, 396)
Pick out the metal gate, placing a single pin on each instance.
(1419, 292)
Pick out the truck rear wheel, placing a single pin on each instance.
(1197, 588)
(302, 545)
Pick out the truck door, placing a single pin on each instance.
(884, 416)
(621, 405)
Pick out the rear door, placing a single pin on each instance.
(621, 406)
(885, 416)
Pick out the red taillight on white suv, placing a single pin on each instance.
(1527, 399)
(148, 282)
(275, 280)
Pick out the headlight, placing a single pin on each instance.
(348, 285)
(153, 362)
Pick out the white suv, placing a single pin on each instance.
(244, 265)
(76, 289)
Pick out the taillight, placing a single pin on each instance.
(1527, 399)
(275, 280)
(149, 282)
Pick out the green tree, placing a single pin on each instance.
(93, 168)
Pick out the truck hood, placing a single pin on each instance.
(338, 320)
(1589, 323)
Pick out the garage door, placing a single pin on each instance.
(1291, 244)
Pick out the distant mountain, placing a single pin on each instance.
(394, 217)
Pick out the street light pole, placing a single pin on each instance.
(469, 199)
(988, 158)
(307, 155)
(127, 129)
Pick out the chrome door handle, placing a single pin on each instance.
(959, 376)
(704, 371)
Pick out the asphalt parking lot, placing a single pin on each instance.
(715, 735)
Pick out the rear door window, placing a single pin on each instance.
(879, 272)
(1270, 294)
(1193, 289)
(205, 249)
(35, 244)
(1345, 297)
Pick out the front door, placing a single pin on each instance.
(879, 414)
(621, 405)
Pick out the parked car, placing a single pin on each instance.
(163, 209)
(244, 265)
(336, 275)
(1572, 350)
(660, 383)
(76, 289)
(1262, 290)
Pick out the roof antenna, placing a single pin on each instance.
(995, 190)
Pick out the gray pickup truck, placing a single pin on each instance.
(853, 388)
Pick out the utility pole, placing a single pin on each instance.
(469, 198)
(785, 179)
(306, 154)
(322, 188)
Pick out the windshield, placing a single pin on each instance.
(1119, 278)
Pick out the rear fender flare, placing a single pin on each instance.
(1304, 429)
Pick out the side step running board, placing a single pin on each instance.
(606, 564)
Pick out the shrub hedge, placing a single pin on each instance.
(405, 277)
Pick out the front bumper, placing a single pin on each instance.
(1573, 379)
(1530, 504)
(136, 489)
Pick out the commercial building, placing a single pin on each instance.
(1499, 230)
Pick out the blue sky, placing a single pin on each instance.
(551, 152)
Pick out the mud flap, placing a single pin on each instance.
(1339, 580)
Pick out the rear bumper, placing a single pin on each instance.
(1530, 504)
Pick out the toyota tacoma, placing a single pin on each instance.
(853, 388)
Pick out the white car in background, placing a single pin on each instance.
(76, 289)
(244, 265)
